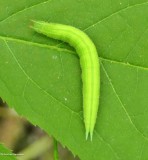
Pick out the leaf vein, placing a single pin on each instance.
(66, 50)
(121, 103)
(125, 64)
(34, 44)
(116, 12)
(108, 144)
(22, 10)
(37, 85)
(136, 44)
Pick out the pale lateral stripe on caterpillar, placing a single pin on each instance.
(89, 62)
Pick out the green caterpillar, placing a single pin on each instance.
(89, 62)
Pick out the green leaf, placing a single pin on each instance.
(41, 80)
(5, 154)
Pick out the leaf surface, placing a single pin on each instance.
(5, 154)
(41, 78)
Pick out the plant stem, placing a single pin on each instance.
(56, 155)
(36, 149)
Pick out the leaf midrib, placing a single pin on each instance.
(69, 51)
